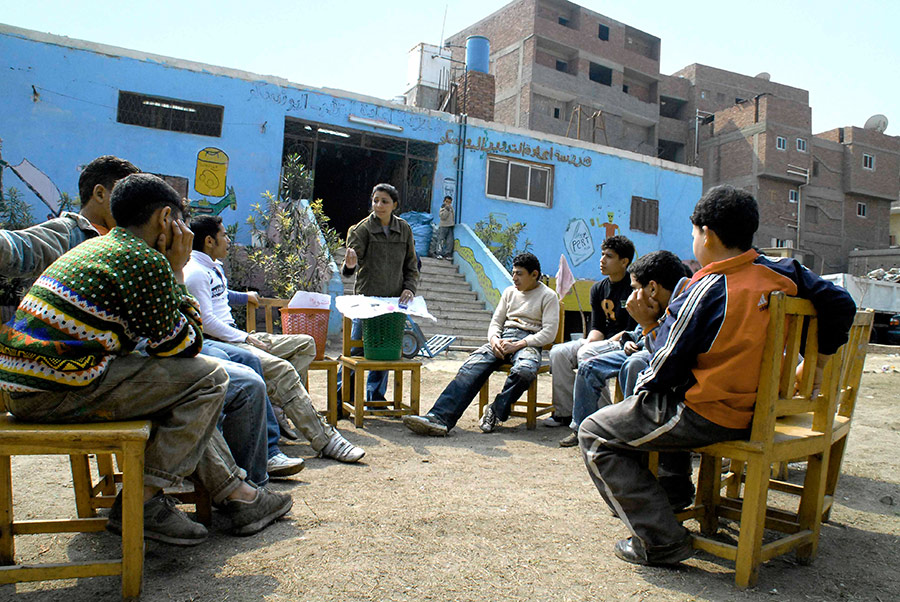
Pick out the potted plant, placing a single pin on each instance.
(293, 245)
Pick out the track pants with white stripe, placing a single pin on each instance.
(615, 440)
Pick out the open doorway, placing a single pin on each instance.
(347, 163)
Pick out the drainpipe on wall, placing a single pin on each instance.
(460, 164)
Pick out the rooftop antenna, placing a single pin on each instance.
(443, 24)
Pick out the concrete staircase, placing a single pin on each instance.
(450, 299)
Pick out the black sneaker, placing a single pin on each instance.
(248, 518)
(163, 521)
(425, 425)
(489, 420)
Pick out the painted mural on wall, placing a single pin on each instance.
(610, 228)
(490, 291)
(205, 207)
(578, 241)
(210, 179)
(211, 172)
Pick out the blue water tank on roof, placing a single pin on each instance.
(478, 53)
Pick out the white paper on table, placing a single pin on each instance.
(308, 300)
(360, 307)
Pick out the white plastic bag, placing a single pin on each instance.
(362, 307)
(307, 300)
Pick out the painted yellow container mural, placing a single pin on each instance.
(212, 167)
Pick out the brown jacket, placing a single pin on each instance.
(387, 264)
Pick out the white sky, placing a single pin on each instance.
(845, 52)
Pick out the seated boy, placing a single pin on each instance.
(608, 318)
(283, 356)
(526, 319)
(701, 384)
(655, 278)
(66, 357)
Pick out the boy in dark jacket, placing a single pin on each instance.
(701, 384)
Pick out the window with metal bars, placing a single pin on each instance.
(170, 114)
(644, 215)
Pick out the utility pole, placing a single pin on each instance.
(803, 172)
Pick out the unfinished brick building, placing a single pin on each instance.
(566, 70)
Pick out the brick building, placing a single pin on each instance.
(823, 195)
(562, 69)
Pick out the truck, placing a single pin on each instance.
(882, 296)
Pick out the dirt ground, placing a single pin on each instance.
(501, 516)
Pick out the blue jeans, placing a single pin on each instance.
(245, 358)
(475, 372)
(376, 381)
(632, 367)
(590, 383)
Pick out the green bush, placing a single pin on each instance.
(502, 239)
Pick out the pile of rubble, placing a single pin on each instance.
(891, 275)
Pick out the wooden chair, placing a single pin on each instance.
(127, 440)
(851, 358)
(530, 409)
(773, 439)
(328, 364)
(359, 407)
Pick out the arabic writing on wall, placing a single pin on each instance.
(522, 148)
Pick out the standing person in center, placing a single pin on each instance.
(381, 253)
(608, 317)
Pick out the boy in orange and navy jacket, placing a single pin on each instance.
(700, 386)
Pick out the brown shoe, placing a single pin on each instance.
(571, 440)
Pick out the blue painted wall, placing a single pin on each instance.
(59, 111)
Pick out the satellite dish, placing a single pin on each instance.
(764, 75)
(877, 122)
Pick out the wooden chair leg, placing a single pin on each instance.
(398, 389)
(132, 520)
(359, 397)
(107, 472)
(81, 481)
(835, 459)
(483, 397)
(708, 495)
(531, 409)
(753, 519)
(332, 392)
(7, 543)
(415, 383)
(202, 504)
(809, 514)
(733, 489)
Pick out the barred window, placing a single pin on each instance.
(644, 215)
(519, 181)
(170, 114)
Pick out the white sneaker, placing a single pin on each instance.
(554, 421)
(280, 466)
(342, 450)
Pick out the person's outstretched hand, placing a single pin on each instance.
(350, 259)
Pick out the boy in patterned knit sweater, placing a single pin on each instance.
(66, 357)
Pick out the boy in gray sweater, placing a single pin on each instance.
(526, 319)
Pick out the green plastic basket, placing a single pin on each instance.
(383, 336)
